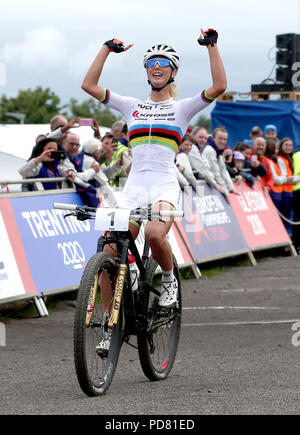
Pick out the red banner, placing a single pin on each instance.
(258, 217)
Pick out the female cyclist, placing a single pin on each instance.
(156, 127)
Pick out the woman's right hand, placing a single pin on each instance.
(44, 157)
(117, 46)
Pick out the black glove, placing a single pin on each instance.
(210, 38)
(116, 48)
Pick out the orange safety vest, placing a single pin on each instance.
(287, 187)
(276, 187)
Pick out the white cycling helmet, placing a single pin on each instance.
(163, 50)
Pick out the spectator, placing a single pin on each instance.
(42, 165)
(296, 203)
(58, 121)
(39, 138)
(111, 167)
(279, 180)
(254, 134)
(198, 162)
(60, 126)
(235, 161)
(239, 166)
(270, 131)
(116, 129)
(229, 162)
(119, 130)
(79, 171)
(182, 160)
(213, 151)
(122, 153)
(92, 150)
(286, 166)
(253, 166)
(258, 153)
(125, 136)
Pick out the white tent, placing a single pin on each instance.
(19, 139)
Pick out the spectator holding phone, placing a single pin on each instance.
(251, 163)
(79, 172)
(258, 153)
(111, 167)
(44, 162)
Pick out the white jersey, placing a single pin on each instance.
(155, 129)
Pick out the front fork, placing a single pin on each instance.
(115, 312)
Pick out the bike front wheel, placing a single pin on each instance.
(94, 372)
(158, 343)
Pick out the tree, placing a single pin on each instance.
(39, 106)
(92, 109)
(203, 121)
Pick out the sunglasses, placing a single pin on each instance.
(163, 63)
(74, 144)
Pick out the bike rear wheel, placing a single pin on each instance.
(93, 372)
(158, 345)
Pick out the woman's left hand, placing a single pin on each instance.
(208, 37)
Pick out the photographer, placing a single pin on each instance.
(44, 162)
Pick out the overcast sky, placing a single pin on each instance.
(52, 43)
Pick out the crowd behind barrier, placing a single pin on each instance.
(260, 171)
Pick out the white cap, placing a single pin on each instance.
(91, 146)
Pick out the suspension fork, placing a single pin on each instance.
(115, 312)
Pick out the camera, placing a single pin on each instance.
(58, 155)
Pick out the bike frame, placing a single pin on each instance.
(124, 242)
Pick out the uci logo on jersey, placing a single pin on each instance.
(143, 106)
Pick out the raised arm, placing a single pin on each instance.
(91, 80)
(209, 39)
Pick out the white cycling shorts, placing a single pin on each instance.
(148, 187)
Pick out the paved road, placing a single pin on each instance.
(235, 356)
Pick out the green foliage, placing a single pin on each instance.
(92, 109)
(203, 121)
(40, 105)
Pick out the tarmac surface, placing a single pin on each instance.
(238, 354)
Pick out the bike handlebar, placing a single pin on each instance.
(69, 207)
(74, 208)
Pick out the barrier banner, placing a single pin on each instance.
(210, 228)
(15, 275)
(258, 217)
(11, 284)
(44, 251)
(57, 249)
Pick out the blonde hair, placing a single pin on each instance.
(174, 91)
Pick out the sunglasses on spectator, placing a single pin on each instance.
(74, 144)
(163, 63)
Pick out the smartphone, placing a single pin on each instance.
(86, 122)
(254, 159)
(58, 155)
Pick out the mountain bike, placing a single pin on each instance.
(132, 313)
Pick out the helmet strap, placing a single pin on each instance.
(171, 80)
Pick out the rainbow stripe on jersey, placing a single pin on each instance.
(157, 134)
(206, 98)
(106, 96)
